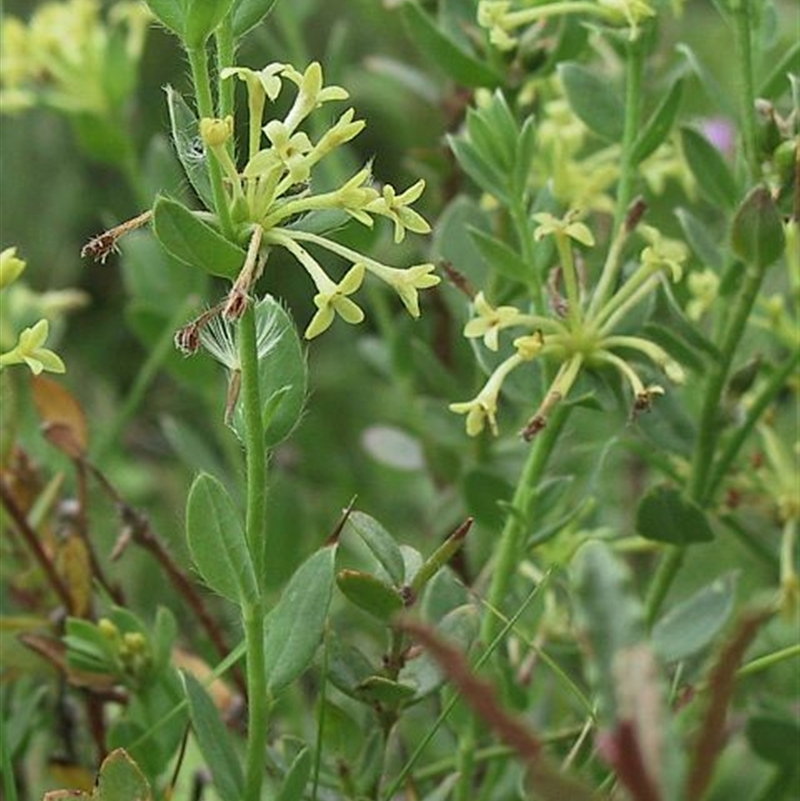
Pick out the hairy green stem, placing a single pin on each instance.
(257, 700)
(198, 60)
(255, 528)
(634, 67)
(708, 432)
(226, 49)
(743, 32)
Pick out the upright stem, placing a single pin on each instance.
(198, 60)
(255, 528)
(257, 700)
(633, 112)
(743, 31)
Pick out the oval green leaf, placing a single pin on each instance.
(757, 234)
(248, 13)
(282, 374)
(369, 593)
(691, 625)
(381, 543)
(709, 168)
(296, 778)
(295, 626)
(194, 242)
(659, 125)
(214, 741)
(592, 100)
(217, 541)
(666, 515)
(442, 51)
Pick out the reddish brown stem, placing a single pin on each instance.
(32, 541)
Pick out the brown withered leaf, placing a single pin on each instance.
(74, 565)
(63, 419)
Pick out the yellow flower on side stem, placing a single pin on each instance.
(333, 300)
(397, 208)
(489, 321)
(29, 350)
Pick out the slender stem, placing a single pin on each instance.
(707, 433)
(514, 530)
(633, 112)
(743, 31)
(524, 232)
(198, 60)
(757, 408)
(257, 700)
(226, 49)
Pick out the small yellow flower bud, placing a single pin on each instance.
(10, 267)
(216, 132)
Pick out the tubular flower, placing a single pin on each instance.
(587, 335)
(332, 299)
(396, 208)
(29, 350)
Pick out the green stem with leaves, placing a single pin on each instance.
(198, 61)
(743, 31)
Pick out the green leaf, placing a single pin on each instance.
(194, 242)
(217, 541)
(348, 667)
(165, 631)
(473, 163)
(370, 593)
(443, 52)
(709, 168)
(666, 515)
(691, 625)
(500, 257)
(189, 146)
(296, 778)
(659, 125)
(381, 690)
(757, 235)
(289, 647)
(248, 13)
(201, 19)
(775, 738)
(705, 246)
(119, 779)
(593, 100)
(214, 741)
(381, 543)
(169, 13)
(524, 153)
(608, 612)
(282, 375)
(486, 495)
(778, 82)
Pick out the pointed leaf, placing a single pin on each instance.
(369, 593)
(705, 246)
(500, 257)
(296, 778)
(593, 100)
(282, 375)
(459, 65)
(201, 19)
(666, 515)
(379, 689)
(189, 146)
(659, 125)
(691, 625)
(295, 626)
(217, 541)
(119, 779)
(214, 741)
(248, 13)
(169, 13)
(381, 543)
(709, 168)
(194, 242)
(757, 234)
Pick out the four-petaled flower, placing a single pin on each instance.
(568, 225)
(490, 321)
(396, 208)
(406, 282)
(29, 350)
(332, 300)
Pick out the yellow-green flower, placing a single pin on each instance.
(11, 266)
(406, 282)
(568, 225)
(29, 350)
(489, 321)
(396, 208)
(333, 300)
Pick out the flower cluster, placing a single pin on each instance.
(503, 20)
(19, 302)
(273, 191)
(584, 330)
(67, 57)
